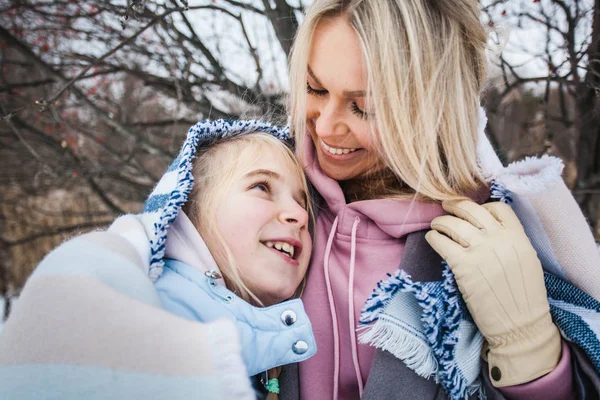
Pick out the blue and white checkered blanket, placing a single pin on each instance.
(427, 324)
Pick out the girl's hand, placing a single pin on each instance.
(501, 280)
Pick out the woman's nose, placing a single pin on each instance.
(328, 123)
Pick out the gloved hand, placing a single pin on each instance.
(502, 282)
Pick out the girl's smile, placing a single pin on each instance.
(289, 249)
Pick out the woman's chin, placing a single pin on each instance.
(337, 171)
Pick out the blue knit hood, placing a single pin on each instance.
(171, 192)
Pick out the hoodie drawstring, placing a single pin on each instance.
(351, 308)
(336, 335)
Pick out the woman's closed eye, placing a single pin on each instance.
(356, 110)
(315, 92)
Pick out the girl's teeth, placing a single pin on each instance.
(282, 246)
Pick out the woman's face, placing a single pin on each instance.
(336, 104)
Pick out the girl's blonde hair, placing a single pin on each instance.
(426, 65)
(215, 169)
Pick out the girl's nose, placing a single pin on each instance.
(295, 214)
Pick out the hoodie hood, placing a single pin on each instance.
(185, 244)
(171, 192)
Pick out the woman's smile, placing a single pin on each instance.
(338, 153)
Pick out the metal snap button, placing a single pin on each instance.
(300, 347)
(213, 274)
(288, 317)
(496, 373)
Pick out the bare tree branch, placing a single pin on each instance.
(54, 232)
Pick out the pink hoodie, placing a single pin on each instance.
(355, 246)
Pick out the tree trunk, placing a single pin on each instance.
(284, 22)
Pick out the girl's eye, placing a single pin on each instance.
(264, 186)
(358, 112)
(314, 92)
(303, 203)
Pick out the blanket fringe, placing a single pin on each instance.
(416, 354)
(476, 389)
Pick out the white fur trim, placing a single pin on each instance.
(531, 175)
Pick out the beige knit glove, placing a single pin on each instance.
(501, 280)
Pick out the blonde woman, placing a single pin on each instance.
(384, 106)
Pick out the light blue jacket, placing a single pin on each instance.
(270, 336)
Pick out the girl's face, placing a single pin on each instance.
(336, 105)
(263, 220)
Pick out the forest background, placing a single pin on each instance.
(96, 97)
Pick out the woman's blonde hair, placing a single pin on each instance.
(215, 169)
(426, 65)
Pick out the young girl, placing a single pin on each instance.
(240, 243)
(224, 236)
(384, 105)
